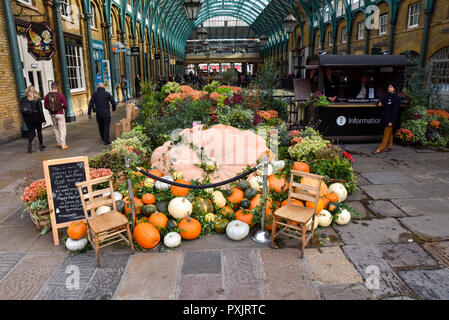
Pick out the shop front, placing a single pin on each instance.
(102, 66)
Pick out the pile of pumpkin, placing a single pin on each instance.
(174, 213)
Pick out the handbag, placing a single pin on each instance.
(26, 108)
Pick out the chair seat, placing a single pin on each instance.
(107, 221)
(295, 213)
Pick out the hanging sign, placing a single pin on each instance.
(135, 51)
(40, 41)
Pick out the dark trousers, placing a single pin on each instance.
(103, 128)
(34, 127)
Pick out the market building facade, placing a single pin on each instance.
(102, 40)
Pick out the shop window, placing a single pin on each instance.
(331, 39)
(413, 15)
(343, 35)
(28, 2)
(360, 29)
(75, 69)
(383, 24)
(93, 20)
(65, 9)
(440, 70)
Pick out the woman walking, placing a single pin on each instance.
(33, 115)
(390, 117)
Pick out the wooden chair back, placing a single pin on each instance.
(91, 200)
(305, 192)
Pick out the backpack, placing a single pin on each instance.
(53, 103)
(26, 108)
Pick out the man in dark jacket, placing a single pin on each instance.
(101, 100)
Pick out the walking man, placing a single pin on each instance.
(55, 103)
(138, 85)
(124, 86)
(99, 103)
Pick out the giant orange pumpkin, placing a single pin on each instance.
(278, 184)
(236, 196)
(180, 191)
(190, 228)
(146, 235)
(244, 216)
(148, 198)
(158, 219)
(301, 166)
(77, 230)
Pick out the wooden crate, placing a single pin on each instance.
(126, 123)
(118, 129)
(41, 218)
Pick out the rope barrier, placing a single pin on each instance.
(207, 186)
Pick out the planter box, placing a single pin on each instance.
(41, 218)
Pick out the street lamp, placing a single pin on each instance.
(205, 45)
(202, 33)
(263, 40)
(192, 9)
(289, 24)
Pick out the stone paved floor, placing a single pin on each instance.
(398, 249)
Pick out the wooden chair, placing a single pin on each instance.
(107, 228)
(291, 214)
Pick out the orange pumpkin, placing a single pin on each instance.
(158, 219)
(189, 229)
(138, 185)
(268, 152)
(325, 202)
(244, 216)
(140, 220)
(268, 220)
(156, 173)
(319, 207)
(146, 235)
(313, 183)
(236, 196)
(292, 201)
(148, 198)
(278, 184)
(138, 204)
(180, 191)
(227, 211)
(332, 197)
(77, 230)
(301, 166)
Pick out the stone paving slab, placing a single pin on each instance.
(17, 218)
(29, 276)
(357, 195)
(218, 242)
(361, 181)
(329, 265)
(372, 231)
(103, 284)
(285, 275)
(428, 284)
(426, 190)
(8, 261)
(353, 291)
(400, 255)
(420, 207)
(201, 287)
(360, 208)
(367, 259)
(16, 239)
(369, 163)
(387, 177)
(242, 275)
(440, 250)
(323, 237)
(150, 276)
(202, 262)
(385, 209)
(85, 263)
(428, 227)
(387, 191)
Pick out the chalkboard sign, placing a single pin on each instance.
(63, 197)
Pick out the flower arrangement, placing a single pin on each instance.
(439, 113)
(435, 124)
(171, 87)
(404, 135)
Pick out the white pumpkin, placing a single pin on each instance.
(309, 224)
(180, 207)
(209, 190)
(237, 230)
(256, 182)
(339, 190)
(172, 239)
(219, 199)
(102, 210)
(324, 218)
(117, 195)
(259, 171)
(75, 245)
(343, 217)
(278, 165)
(162, 185)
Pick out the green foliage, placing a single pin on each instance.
(305, 151)
(266, 81)
(418, 127)
(212, 87)
(170, 87)
(108, 159)
(316, 101)
(336, 168)
(235, 116)
(229, 77)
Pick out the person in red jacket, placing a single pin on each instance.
(55, 103)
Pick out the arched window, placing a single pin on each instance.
(93, 20)
(440, 70)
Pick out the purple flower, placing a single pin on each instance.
(237, 99)
(227, 101)
(257, 120)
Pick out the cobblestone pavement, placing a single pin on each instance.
(398, 249)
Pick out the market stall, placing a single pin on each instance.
(352, 85)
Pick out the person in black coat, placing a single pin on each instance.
(138, 85)
(101, 100)
(331, 85)
(390, 117)
(35, 118)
